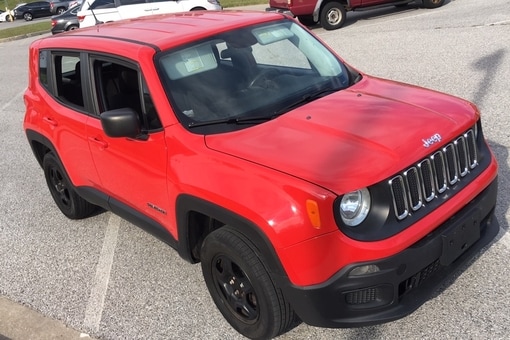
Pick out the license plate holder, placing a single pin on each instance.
(459, 237)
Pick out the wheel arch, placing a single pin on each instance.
(196, 218)
(321, 3)
(40, 146)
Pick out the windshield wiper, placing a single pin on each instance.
(231, 120)
(305, 99)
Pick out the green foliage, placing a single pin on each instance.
(10, 4)
(26, 29)
(234, 3)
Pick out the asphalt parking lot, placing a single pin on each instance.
(104, 277)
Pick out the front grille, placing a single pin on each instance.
(434, 175)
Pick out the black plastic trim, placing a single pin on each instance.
(34, 136)
(101, 199)
(187, 203)
(325, 305)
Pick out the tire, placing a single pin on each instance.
(9, 18)
(332, 16)
(72, 28)
(28, 16)
(242, 288)
(307, 20)
(433, 3)
(61, 10)
(62, 191)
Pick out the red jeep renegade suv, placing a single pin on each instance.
(307, 190)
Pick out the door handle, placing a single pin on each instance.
(102, 144)
(50, 121)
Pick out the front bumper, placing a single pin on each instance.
(406, 280)
(280, 10)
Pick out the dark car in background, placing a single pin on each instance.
(66, 21)
(60, 6)
(33, 10)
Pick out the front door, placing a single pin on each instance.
(132, 170)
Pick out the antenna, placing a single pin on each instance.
(94, 15)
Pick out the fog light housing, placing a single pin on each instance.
(364, 270)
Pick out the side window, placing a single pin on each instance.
(131, 2)
(67, 70)
(153, 121)
(98, 4)
(120, 86)
(43, 68)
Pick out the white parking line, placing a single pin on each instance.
(6, 105)
(95, 305)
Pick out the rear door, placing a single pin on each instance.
(133, 8)
(65, 120)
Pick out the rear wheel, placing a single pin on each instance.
(62, 191)
(332, 15)
(61, 10)
(241, 286)
(432, 3)
(72, 28)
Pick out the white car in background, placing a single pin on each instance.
(6, 16)
(93, 12)
(9, 15)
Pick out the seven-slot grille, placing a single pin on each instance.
(432, 176)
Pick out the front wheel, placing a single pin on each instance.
(62, 191)
(241, 286)
(28, 16)
(433, 3)
(332, 16)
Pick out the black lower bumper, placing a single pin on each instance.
(404, 281)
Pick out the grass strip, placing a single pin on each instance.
(26, 29)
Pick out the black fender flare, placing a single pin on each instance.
(264, 249)
(34, 136)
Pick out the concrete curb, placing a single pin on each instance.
(20, 322)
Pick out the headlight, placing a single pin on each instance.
(354, 207)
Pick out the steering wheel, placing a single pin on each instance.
(264, 79)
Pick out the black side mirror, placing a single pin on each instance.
(121, 123)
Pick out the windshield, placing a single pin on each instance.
(247, 76)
